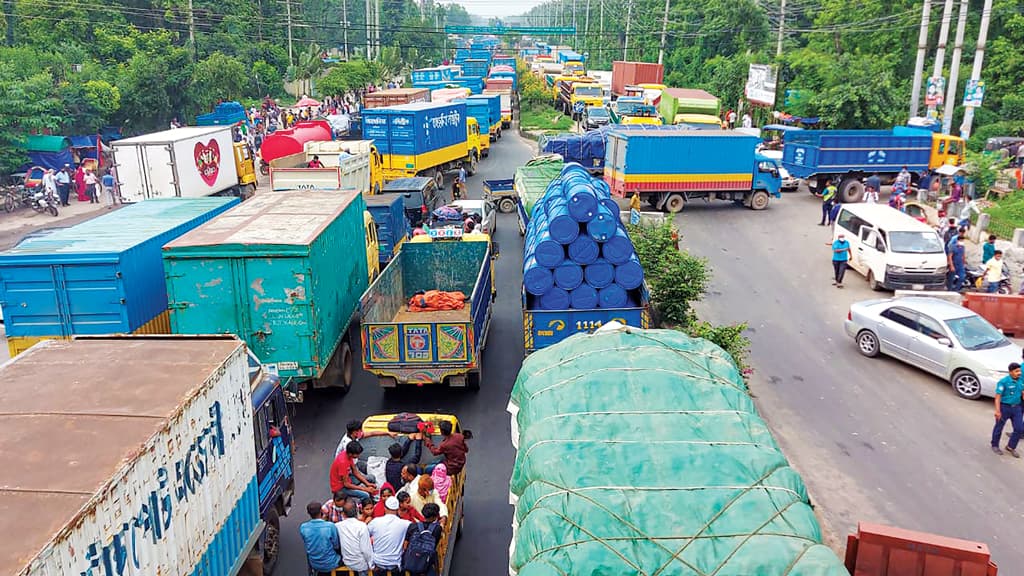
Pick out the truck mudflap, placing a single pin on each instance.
(543, 328)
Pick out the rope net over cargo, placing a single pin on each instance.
(641, 452)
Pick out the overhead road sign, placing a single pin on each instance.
(500, 30)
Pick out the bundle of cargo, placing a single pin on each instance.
(442, 95)
(531, 182)
(585, 149)
(641, 452)
(577, 254)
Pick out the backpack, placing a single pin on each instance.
(405, 423)
(419, 556)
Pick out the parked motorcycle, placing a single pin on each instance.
(975, 280)
(40, 201)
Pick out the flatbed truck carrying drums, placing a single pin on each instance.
(375, 452)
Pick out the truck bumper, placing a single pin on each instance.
(915, 282)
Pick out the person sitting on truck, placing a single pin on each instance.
(406, 510)
(331, 510)
(315, 163)
(323, 545)
(386, 491)
(387, 536)
(366, 510)
(409, 453)
(356, 550)
(421, 538)
(453, 448)
(344, 475)
(422, 492)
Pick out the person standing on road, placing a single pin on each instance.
(994, 272)
(827, 196)
(80, 184)
(873, 186)
(840, 259)
(90, 186)
(323, 546)
(50, 183)
(64, 184)
(461, 182)
(634, 209)
(988, 249)
(833, 212)
(956, 255)
(108, 189)
(1008, 407)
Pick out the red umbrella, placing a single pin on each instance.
(306, 102)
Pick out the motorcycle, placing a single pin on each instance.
(40, 201)
(975, 280)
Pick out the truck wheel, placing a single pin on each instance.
(474, 377)
(338, 374)
(674, 203)
(499, 133)
(759, 200)
(471, 165)
(271, 542)
(507, 205)
(851, 191)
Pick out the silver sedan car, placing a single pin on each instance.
(937, 336)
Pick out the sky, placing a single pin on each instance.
(499, 8)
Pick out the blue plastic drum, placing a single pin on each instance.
(599, 274)
(618, 248)
(584, 297)
(583, 250)
(536, 278)
(612, 296)
(603, 226)
(630, 274)
(568, 275)
(554, 299)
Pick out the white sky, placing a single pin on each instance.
(496, 7)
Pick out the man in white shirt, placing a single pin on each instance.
(387, 535)
(356, 550)
(994, 272)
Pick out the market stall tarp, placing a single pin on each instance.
(48, 151)
(641, 452)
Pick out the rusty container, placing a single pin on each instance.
(877, 550)
(1004, 311)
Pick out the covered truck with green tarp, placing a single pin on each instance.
(531, 181)
(675, 101)
(641, 452)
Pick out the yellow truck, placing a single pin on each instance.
(577, 94)
(375, 449)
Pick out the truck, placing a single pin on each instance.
(337, 153)
(475, 67)
(668, 168)
(577, 94)
(395, 96)
(376, 440)
(493, 126)
(188, 162)
(281, 273)
(402, 346)
(286, 142)
(501, 192)
(479, 112)
(145, 456)
(424, 139)
(505, 95)
(846, 157)
(625, 73)
(435, 74)
(675, 101)
(634, 110)
(391, 224)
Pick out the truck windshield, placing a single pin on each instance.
(588, 91)
(915, 243)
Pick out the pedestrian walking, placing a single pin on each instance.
(840, 259)
(50, 183)
(634, 209)
(827, 196)
(833, 212)
(80, 184)
(956, 256)
(1008, 407)
(994, 272)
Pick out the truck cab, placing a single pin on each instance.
(246, 167)
(482, 147)
(946, 149)
(372, 246)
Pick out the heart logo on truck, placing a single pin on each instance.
(208, 161)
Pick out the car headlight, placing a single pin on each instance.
(941, 270)
(890, 269)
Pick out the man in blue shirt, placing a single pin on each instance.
(840, 259)
(323, 546)
(827, 196)
(1008, 407)
(956, 255)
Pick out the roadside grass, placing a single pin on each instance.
(1006, 215)
(545, 118)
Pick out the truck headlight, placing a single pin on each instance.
(890, 269)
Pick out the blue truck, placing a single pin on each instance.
(847, 157)
(493, 124)
(475, 67)
(393, 228)
(402, 346)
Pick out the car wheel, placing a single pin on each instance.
(966, 384)
(867, 343)
(872, 283)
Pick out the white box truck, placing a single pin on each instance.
(359, 169)
(128, 456)
(188, 162)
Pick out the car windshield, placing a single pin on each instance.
(975, 333)
(915, 243)
(597, 113)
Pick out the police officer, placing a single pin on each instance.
(1008, 407)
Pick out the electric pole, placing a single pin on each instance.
(782, 27)
(192, 32)
(575, 37)
(288, 11)
(586, 29)
(376, 33)
(940, 50)
(9, 16)
(344, 24)
(629, 19)
(922, 47)
(979, 57)
(369, 35)
(954, 69)
(664, 34)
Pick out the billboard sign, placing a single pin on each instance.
(760, 87)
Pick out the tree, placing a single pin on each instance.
(88, 104)
(218, 77)
(29, 106)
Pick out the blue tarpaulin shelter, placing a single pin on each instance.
(48, 151)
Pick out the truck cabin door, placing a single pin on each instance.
(869, 256)
(946, 150)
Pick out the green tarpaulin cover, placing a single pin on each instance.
(532, 179)
(640, 452)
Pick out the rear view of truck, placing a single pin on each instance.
(421, 139)
(128, 457)
(403, 345)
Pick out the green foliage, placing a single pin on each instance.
(1003, 128)
(541, 117)
(983, 169)
(533, 91)
(218, 77)
(1007, 214)
(29, 106)
(344, 77)
(728, 337)
(266, 80)
(88, 104)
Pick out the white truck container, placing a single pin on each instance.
(355, 171)
(128, 457)
(188, 162)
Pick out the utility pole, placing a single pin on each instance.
(664, 34)
(192, 31)
(600, 35)
(979, 57)
(586, 29)
(376, 33)
(369, 35)
(629, 19)
(344, 24)
(9, 16)
(782, 27)
(954, 69)
(922, 47)
(288, 11)
(940, 50)
(575, 37)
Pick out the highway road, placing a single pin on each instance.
(875, 440)
(320, 420)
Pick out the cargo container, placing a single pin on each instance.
(352, 172)
(475, 67)
(395, 96)
(423, 139)
(280, 272)
(393, 228)
(480, 113)
(493, 125)
(497, 83)
(668, 168)
(292, 141)
(102, 276)
(333, 152)
(435, 74)
(503, 60)
(475, 84)
(846, 157)
(438, 347)
(676, 101)
(631, 73)
(877, 550)
(189, 162)
(138, 456)
(1004, 311)
(442, 95)
(505, 94)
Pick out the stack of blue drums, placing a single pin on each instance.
(577, 254)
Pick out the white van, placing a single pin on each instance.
(892, 250)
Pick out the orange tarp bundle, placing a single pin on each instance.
(434, 300)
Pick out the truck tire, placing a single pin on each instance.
(759, 200)
(471, 165)
(271, 542)
(506, 205)
(473, 378)
(851, 190)
(674, 203)
(499, 133)
(338, 373)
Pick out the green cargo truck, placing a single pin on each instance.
(279, 271)
(675, 101)
(531, 181)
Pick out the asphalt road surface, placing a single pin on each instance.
(874, 439)
(320, 420)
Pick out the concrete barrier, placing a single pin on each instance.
(954, 297)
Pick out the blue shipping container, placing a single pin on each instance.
(476, 67)
(475, 84)
(417, 128)
(479, 110)
(810, 152)
(102, 276)
(493, 108)
(673, 151)
(388, 212)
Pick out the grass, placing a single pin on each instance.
(541, 117)
(1007, 214)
